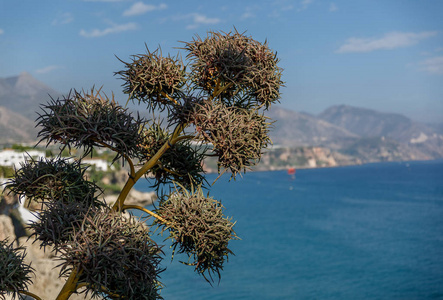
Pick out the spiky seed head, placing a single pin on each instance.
(59, 221)
(87, 120)
(115, 253)
(233, 59)
(153, 79)
(197, 226)
(55, 178)
(238, 135)
(15, 274)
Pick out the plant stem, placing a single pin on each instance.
(30, 294)
(118, 205)
(70, 285)
(146, 211)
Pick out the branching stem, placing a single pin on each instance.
(70, 285)
(118, 205)
(30, 294)
(146, 211)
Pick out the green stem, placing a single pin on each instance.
(30, 294)
(70, 285)
(118, 205)
(146, 211)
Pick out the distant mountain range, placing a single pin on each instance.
(361, 134)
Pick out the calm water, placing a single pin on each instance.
(363, 232)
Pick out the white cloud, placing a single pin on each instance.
(2, 31)
(104, 0)
(48, 69)
(113, 29)
(304, 4)
(199, 19)
(140, 8)
(333, 7)
(433, 65)
(63, 18)
(389, 41)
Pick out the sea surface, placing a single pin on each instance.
(373, 231)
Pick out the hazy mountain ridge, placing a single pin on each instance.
(23, 94)
(344, 134)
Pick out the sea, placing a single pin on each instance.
(372, 231)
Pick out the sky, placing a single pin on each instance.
(385, 55)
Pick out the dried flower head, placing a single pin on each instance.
(15, 274)
(238, 135)
(53, 178)
(115, 255)
(245, 67)
(181, 163)
(58, 222)
(88, 120)
(197, 227)
(152, 78)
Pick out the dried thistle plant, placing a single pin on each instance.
(116, 256)
(15, 274)
(59, 221)
(238, 135)
(214, 109)
(153, 79)
(182, 163)
(90, 120)
(245, 67)
(197, 226)
(54, 178)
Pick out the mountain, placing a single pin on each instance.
(15, 128)
(300, 129)
(397, 134)
(370, 123)
(339, 135)
(23, 94)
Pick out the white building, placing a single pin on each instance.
(11, 158)
(99, 164)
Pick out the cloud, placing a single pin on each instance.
(433, 65)
(48, 69)
(110, 30)
(199, 19)
(104, 0)
(304, 4)
(1, 31)
(62, 19)
(333, 7)
(389, 41)
(140, 8)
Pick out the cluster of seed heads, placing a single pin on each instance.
(198, 227)
(15, 274)
(238, 146)
(88, 120)
(54, 178)
(247, 67)
(152, 78)
(182, 163)
(116, 255)
(232, 80)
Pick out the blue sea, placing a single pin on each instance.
(373, 231)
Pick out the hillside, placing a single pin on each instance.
(23, 94)
(340, 135)
(15, 128)
(294, 129)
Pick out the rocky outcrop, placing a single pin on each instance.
(6, 228)
(134, 198)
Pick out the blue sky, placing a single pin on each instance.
(385, 55)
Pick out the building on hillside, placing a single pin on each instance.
(11, 158)
(99, 164)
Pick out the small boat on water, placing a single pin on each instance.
(291, 171)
